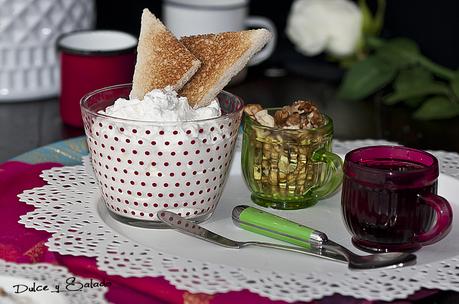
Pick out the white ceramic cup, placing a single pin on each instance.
(192, 17)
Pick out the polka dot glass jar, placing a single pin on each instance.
(143, 167)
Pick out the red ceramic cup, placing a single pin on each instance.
(91, 60)
(389, 199)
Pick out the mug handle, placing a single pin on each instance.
(334, 179)
(255, 22)
(444, 219)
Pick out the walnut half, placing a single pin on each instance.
(251, 109)
(300, 115)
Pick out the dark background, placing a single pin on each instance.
(433, 24)
(282, 79)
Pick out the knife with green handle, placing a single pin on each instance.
(354, 262)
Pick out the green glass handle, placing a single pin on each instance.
(273, 226)
(335, 164)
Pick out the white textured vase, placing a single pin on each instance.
(29, 67)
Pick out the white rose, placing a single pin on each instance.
(333, 26)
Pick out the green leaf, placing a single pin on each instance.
(455, 84)
(414, 102)
(412, 85)
(433, 88)
(399, 52)
(367, 18)
(403, 52)
(379, 17)
(437, 107)
(413, 77)
(372, 24)
(366, 77)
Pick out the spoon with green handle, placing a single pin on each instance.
(268, 224)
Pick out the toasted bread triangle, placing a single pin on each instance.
(161, 59)
(222, 56)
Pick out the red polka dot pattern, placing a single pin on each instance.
(142, 170)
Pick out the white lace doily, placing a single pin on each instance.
(52, 275)
(66, 208)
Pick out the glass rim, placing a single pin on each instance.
(129, 47)
(349, 163)
(84, 107)
(328, 126)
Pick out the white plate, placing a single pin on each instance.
(325, 216)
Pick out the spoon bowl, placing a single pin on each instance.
(377, 260)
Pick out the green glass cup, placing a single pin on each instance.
(289, 168)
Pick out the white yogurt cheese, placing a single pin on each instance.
(161, 105)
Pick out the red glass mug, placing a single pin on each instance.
(389, 199)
